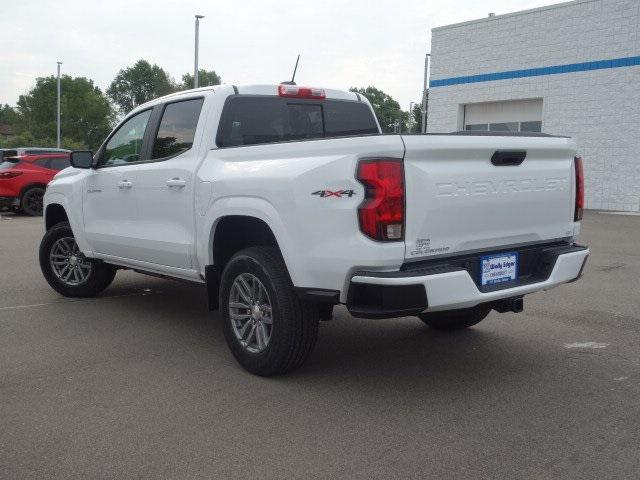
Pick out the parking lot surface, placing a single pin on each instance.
(139, 383)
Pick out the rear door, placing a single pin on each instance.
(164, 186)
(458, 200)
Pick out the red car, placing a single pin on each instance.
(23, 180)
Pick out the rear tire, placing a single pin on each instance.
(256, 295)
(66, 270)
(456, 319)
(31, 201)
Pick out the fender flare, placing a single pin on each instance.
(255, 207)
(75, 219)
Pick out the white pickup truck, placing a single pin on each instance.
(287, 200)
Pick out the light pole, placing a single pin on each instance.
(195, 68)
(425, 93)
(410, 119)
(58, 109)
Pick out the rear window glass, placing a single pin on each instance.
(177, 128)
(251, 120)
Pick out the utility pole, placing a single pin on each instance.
(58, 109)
(425, 93)
(410, 119)
(195, 68)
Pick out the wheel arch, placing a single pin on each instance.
(249, 208)
(62, 204)
(229, 234)
(232, 233)
(54, 213)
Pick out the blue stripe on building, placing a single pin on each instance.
(537, 72)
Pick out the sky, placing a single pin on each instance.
(343, 43)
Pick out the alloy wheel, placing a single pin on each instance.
(68, 263)
(250, 313)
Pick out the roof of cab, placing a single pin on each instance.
(272, 89)
(258, 89)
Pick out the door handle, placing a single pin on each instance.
(176, 182)
(125, 185)
(502, 158)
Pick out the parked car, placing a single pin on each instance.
(287, 200)
(20, 151)
(23, 180)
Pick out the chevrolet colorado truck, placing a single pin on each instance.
(286, 200)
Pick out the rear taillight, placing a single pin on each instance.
(381, 214)
(577, 164)
(293, 91)
(9, 174)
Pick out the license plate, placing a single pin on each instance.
(499, 268)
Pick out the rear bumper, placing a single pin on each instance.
(449, 285)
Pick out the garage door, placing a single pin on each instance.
(508, 116)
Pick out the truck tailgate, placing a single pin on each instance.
(457, 200)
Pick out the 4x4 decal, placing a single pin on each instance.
(337, 193)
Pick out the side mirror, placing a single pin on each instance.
(81, 159)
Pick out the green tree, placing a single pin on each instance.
(86, 114)
(138, 84)
(416, 118)
(9, 116)
(387, 109)
(206, 78)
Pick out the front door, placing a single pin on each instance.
(109, 207)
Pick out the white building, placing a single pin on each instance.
(568, 69)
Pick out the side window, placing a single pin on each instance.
(59, 163)
(177, 128)
(126, 144)
(42, 162)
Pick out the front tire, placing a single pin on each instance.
(67, 270)
(269, 330)
(31, 201)
(456, 319)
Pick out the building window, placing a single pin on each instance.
(506, 116)
(506, 127)
(530, 126)
(478, 126)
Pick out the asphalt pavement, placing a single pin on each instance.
(139, 383)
